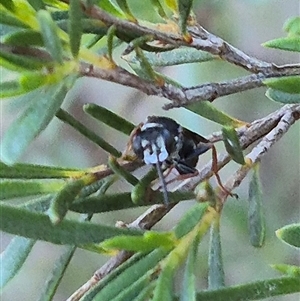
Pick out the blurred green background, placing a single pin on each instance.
(243, 23)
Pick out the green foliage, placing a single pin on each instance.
(216, 276)
(232, 144)
(57, 273)
(13, 257)
(49, 32)
(108, 117)
(37, 225)
(282, 97)
(290, 84)
(75, 26)
(33, 120)
(286, 89)
(49, 45)
(256, 216)
(292, 41)
(290, 234)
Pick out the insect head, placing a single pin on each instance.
(161, 141)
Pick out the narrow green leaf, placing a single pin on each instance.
(253, 291)
(11, 88)
(128, 276)
(8, 4)
(19, 63)
(291, 43)
(32, 80)
(109, 118)
(141, 286)
(145, 293)
(16, 253)
(159, 8)
(282, 97)
(92, 26)
(27, 82)
(9, 19)
(292, 26)
(256, 217)
(40, 204)
(24, 37)
(232, 144)
(49, 31)
(103, 203)
(75, 26)
(111, 8)
(32, 171)
(69, 119)
(141, 42)
(99, 186)
(177, 56)
(210, 112)
(142, 73)
(132, 259)
(164, 289)
(188, 287)
(184, 8)
(172, 5)
(290, 234)
(120, 171)
(125, 8)
(36, 225)
(149, 241)
(216, 276)
(287, 269)
(93, 41)
(139, 191)
(110, 38)
(33, 120)
(37, 4)
(65, 197)
(288, 84)
(57, 273)
(58, 15)
(13, 258)
(13, 189)
(145, 66)
(190, 219)
(119, 201)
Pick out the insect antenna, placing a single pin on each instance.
(163, 182)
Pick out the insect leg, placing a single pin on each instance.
(215, 171)
(163, 183)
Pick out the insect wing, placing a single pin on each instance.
(194, 136)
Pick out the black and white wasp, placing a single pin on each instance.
(162, 142)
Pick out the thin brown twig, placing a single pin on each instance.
(284, 123)
(183, 96)
(211, 91)
(269, 129)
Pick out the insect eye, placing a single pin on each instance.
(137, 145)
